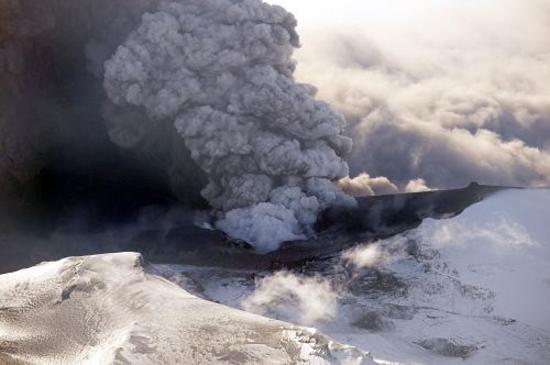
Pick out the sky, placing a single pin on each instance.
(311, 13)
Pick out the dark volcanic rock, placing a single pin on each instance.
(374, 321)
(376, 282)
(448, 347)
(396, 311)
(397, 212)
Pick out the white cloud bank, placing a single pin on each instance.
(450, 92)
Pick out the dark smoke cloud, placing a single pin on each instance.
(56, 157)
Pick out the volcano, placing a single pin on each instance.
(426, 291)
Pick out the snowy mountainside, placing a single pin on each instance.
(108, 309)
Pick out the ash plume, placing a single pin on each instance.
(220, 73)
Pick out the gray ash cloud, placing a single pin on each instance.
(221, 73)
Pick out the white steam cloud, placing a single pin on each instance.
(364, 185)
(417, 186)
(376, 254)
(304, 300)
(221, 72)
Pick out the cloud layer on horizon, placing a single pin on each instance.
(453, 94)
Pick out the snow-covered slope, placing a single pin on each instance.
(471, 289)
(477, 286)
(108, 309)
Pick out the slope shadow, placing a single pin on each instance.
(374, 218)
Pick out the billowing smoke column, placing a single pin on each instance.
(221, 71)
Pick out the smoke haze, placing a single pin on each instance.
(110, 107)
